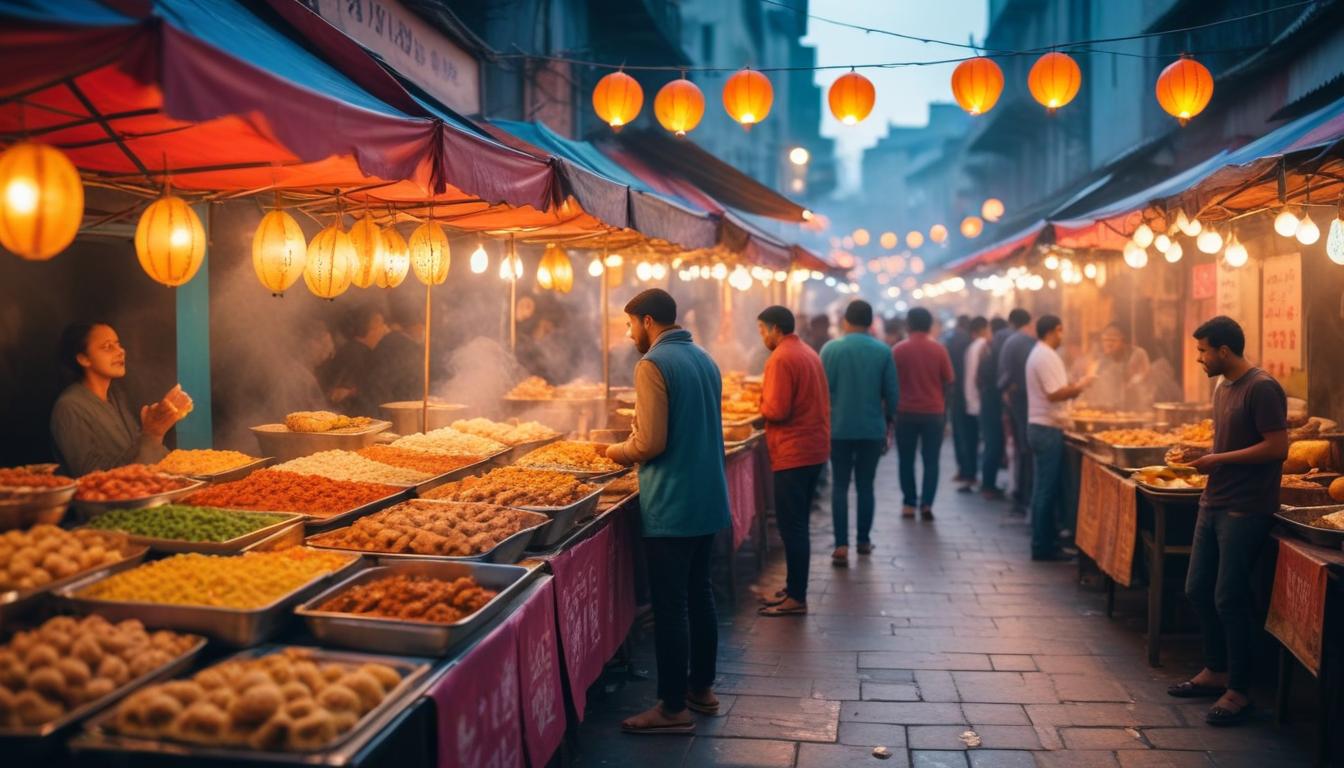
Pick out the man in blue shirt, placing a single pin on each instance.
(1012, 382)
(861, 376)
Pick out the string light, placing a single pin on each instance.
(1162, 242)
(1135, 257)
(613, 260)
(1235, 254)
(480, 260)
(1052, 262)
(1209, 241)
(1173, 254)
(1286, 223)
(889, 240)
(992, 209)
(1090, 271)
(861, 237)
(595, 268)
(1191, 227)
(914, 238)
(938, 233)
(1307, 231)
(1143, 236)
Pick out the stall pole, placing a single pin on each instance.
(513, 295)
(605, 297)
(424, 405)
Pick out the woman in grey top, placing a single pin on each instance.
(91, 424)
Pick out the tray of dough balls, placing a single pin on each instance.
(44, 558)
(417, 607)
(241, 600)
(56, 674)
(262, 704)
(439, 529)
(130, 487)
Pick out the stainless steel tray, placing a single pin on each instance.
(232, 626)
(516, 452)
(1297, 519)
(230, 547)
(289, 536)
(100, 734)
(475, 468)
(16, 602)
(419, 638)
(315, 523)
(1128, 455)
(237, 473)
(1102, 423)
(89, 509)
(507, 551)
(275, 440)
(562, 519)
(46, 506)
(64, 722)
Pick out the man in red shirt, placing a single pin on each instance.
(925, 372)
(797, 408)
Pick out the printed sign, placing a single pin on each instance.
(581, 577)
(1107, 520)
(478, 706)
(540, 688)
(741, 473)
(1281, 339)
(1297, 605)
(1204, 281)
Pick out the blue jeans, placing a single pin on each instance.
(1047, 487)
(991, 424)
(922, 434)
(859, 457)
(794, 489)
(1222, 557)
(1023, 474)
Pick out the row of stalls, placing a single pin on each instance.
(244, 108)
(1253, 231)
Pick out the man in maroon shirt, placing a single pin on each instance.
(925, 373)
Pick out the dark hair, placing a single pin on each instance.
(1223, 331)
(1019, 318)
(920, 320)
(655, 303)
(893, 325)
(1046, 324)
(979, 324)
(74, 342)
(357, 321)
(407, 313)
(964, 321)
(819, 322)
(997, 324)
(859, 313)
(777, 317)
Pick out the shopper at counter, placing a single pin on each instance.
(677, 440)
(968, 383)
(1012, 383)
(861, 377)
(91, 423)
(924, 372)
(797, 411)
(1236, 512)
(1048, 392)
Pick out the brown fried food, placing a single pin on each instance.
(454, 529)
(417, 597)
(516, 487)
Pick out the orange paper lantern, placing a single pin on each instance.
(971, 227)
(938, 233)
(977, 84)
(617, 99)
(679, 106)
(1184, 88)
(41, 201)
(279, 251)
(330, 264)
(747, 97)
(396, 259)
(1054, 80)
(170, 241)
(367, 240)
(851, 98)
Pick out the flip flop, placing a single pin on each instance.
(1192, 690)
(775, 610)
(1222, 716)
(703, 707)
(775, 599)
(653, 729)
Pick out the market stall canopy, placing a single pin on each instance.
(216, 95)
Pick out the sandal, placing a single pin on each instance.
(778, 597)
(1192, 690)
(1222, 716)
(779, 610)
(708, 706)
(665, 727)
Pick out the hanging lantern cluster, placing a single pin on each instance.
(331, 262)
(679, 106)
(430, 254)
(41, 201)
(555, 272)
(170, 241)
(396, 259)
(367, 240)
(851, 98)
(279, 251)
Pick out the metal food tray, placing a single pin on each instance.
(507, 551)
(15, 602)
(1129, 455)
(290, 536)
(89, 509)
(52, 728)
(315, 523)
(457, 474)
(516, 452)
(26, 509)
(1297, 519)
(232, 626)
(406, 415)
(230, 547)
(419, 638)
(276, 440)
(579, 473)
(562, 519)
(236, 473)
(1184, 494)
(1101, 423)
(100, 734)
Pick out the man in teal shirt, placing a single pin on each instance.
(861, 375)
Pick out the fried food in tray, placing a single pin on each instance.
(272, 490)
(324, 421)
(450, 441)
(570, 455)
(422, 461)
(415, 597)
(203, 461)
(184, 523)
(445, 529)
(66, 663)
(18, 482)
(33, 558)
(532, 388)
(1173, 478)
(133, 481)
(291, 700)
(516, 487)
(622, 486)
(1333, 521)
(509, 434)
(1200, 433)
(350, 466)
(1133, 437)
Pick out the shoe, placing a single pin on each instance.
(926, 513)
(992, 494)
(866, 549)
(1058, 556)
(840, 557)
(1192, 690)
(1222, 717)
(907, 512)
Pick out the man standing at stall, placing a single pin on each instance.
(861, 377)
(797, 410)
(1236, 512)
(683, 498)
(1012, 383)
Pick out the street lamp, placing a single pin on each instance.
(799, 156)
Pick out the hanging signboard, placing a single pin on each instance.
(411, 46)
(1281, 330)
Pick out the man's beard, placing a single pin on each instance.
(642, 341)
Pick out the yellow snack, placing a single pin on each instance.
(1306, 455)
(250, 580)
(202, 462)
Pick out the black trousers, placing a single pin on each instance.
(1022, 470)
(919, 434)
(858, 458)
(991, 425)
(685, 626)
(794, 489)
(965, 436)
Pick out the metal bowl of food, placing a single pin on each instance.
(407, 416)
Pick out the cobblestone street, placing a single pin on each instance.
(948, 628)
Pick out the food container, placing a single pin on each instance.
(231, 547)
(16, 602)
(289, 536)
(47, 505)
(562, 519)
(407, 416)
(457, 474)
(90, 509)
(276, 440)
(237, 473)
(23, 734)
(1089, 424)
(315, 523)
(507, 551)
(1179, 414)
(1128, 456)
(418, 638)
(582, 474)
(100, 732)
(1298, 520)
(516, 452)
(239, 627)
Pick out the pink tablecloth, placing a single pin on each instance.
(741, 471)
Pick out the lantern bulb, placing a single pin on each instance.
(614, 260)
(1307, 231)
(799, 156)
(480, 260)
(1135, 257)
(659, 271)
(1286, 223)
(718, 271)
(1173, 254)
(1162, 242)
(1235, 255)
(1090, 271)
(938, 233)
(1209, 241)
(1334, 242)
(1143, 236)
(1052, 262)
(595, 268)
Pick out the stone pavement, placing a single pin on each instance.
(948, 629)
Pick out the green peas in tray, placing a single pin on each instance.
(184, 523)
